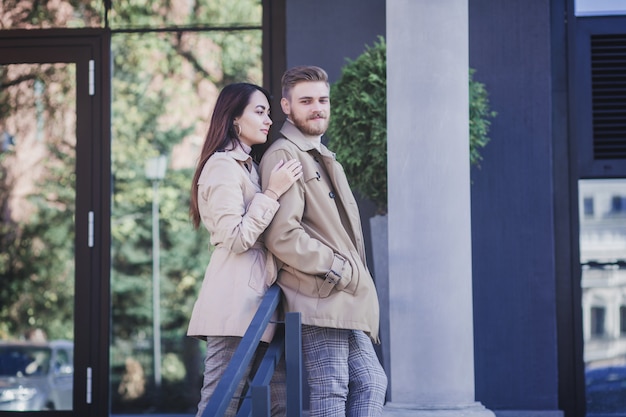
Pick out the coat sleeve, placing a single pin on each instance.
(287, 238)
(233, 222)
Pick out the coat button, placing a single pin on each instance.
(319, 177)
(331, 194)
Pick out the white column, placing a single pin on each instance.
(430, 258)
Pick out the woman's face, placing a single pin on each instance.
(254, 123)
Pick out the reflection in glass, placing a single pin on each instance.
(37, 200)
(603, 259)
(162, 13)
(142, 14)
(164, 88)
(19, 14)
(36, 375)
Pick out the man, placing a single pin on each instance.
(317, 237)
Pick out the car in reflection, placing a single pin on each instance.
(606, 390)
(36, 375)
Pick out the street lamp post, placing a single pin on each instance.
(155, 171)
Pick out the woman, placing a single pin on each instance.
(226, 197)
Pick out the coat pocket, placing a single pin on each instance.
(297, 282)
(271, 269)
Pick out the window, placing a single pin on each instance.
(618, 204)
(599, 7)
(597, 321)
(588, 206)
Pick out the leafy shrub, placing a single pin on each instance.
(358, 127)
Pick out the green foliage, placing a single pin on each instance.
(37, 267)
(220, 56)
(37, 244)
(150, 13)
(142, 129)
(358, 127)
(479, 118)
(51, 13)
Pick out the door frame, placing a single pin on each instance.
(89, 50)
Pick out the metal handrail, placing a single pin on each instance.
(287, 340)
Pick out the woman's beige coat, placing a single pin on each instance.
(317, 237)
(240, 270)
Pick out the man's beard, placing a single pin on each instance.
(310, 127)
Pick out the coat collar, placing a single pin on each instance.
(293, 134)
(239, 154)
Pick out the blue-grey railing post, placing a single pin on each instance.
(293, 363)
(265, 371)
(261, 401)
(237, 366)
(287, 340)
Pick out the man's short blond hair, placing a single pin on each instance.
(296, 75)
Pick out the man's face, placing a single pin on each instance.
(308, 107)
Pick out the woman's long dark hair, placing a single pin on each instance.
(221, 135)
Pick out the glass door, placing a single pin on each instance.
(52, 234)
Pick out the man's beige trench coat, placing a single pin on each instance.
(240, 270)
(317, 237)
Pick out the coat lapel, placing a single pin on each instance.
(337, 178)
